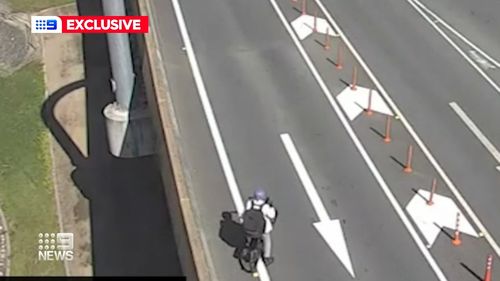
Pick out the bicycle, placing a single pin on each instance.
(250, 254)
(253, 250)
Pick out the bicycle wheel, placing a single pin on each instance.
(245, 260)
(249, 256)
(253, 260)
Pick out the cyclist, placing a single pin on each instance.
(260, 215)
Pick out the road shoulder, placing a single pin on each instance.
(189, 235)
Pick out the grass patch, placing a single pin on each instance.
(30, 6)
(26, 189)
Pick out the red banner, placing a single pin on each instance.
(104, 24)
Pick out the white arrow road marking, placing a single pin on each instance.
(480, 60)
(329, 229)
(214, 129)
(304, 25)
(355, 102)
(345, 122)
(399, 115)
(443, 213)
(482, 138)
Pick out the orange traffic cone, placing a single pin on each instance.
(456, 238)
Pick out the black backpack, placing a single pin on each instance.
(254, 222)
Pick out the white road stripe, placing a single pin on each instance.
(214, 129)
(477, 132)
(304, 177)
(419, 8)
(412, 132)
(385, 188)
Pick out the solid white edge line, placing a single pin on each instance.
(392, 199)
(308, 184)
(412, 132)
(454, 45)
(214, 129)
(460, 36)
(476, 131)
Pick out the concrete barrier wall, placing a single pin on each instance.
(192, 251)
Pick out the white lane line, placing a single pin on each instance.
(329, 229)
(454, 31)
(412, 132)
(212, 123)
(304, 177)
(385, 188)
(477, 132)
(419, 7)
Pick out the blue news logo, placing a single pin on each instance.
(46, 24)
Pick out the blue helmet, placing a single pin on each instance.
(260, 194)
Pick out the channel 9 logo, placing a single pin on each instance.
(55, 246)
(46, 24)
(89, 24)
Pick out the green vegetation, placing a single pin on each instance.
(29, 6)
(26, 189)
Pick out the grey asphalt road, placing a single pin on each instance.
(259, 87)
(423, 74)
(478, 20)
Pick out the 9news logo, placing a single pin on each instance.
(89, 24)
(46, 24)
(55, 246)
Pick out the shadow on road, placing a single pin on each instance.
(421, 196)
(377, 132)
(471, 271)
(398, 161)
(130, 223)
(444, 231)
